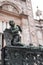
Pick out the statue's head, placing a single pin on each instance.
(11, 23)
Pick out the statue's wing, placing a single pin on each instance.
(19, 28)
(7, 37)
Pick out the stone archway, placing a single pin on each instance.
(15, 5)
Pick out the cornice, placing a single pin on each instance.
(13, 14)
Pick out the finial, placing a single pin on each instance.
(37, 7)
(38, 12)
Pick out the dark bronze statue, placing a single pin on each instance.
(14, 30)
(12, 35)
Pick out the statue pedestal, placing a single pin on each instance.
(21, 55)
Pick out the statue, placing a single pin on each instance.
(12, 34)
(14, 54)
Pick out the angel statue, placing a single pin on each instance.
(13, 34)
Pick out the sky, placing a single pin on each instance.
(36, 3)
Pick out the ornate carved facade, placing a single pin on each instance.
(21, 12)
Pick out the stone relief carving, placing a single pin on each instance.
(9, 5)
(17, 6)
(9, 8)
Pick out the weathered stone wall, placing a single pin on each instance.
(39, 31)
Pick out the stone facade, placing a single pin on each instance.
(39, 31)
(21, 12)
